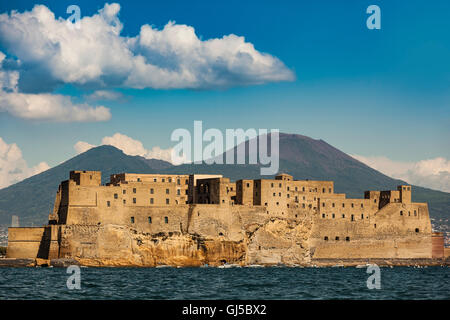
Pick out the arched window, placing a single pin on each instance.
(326, 238)
(417, 230)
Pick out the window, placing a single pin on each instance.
(134, 200)
(278, 203)
(343, 215)
(323, 204)
(362, 206)
(332, 205)
(415, 213)
(186, 182)
(343, 205)
(279, 185)
(178, 181)
(417, 230)
(248, 185)
(149, 219)
(401, 212)
(108, 203)
(337, 238)
(151, 200)
(353, 218)
(375, 225)
(152, 191)
(124, 201)
(362, 215)
(124, 191)
(279, 194)
(167, 191)
(166, 219)
(323, 190)
(170, 180)
(295, 188)
(352, 205)
(132, 219)
(323, 215)
(287, 188)
(375, 200)
(333, 215)
(167, 201)
(274, 194)
(326, 238)
(163, 180)
(347, 238)
(303, 189)
(139, 179)
(303, 205)
(178, 192)
(329, 190)
(287, 195)
(134, 190)
(116, 196)
(154, 179)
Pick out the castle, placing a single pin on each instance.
(197, 219)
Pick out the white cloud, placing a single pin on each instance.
(132, 147)
(82, 146)
(97, 55)
(53, 107)
(105, 95)
(44, 106)
(430, 173)
(13, 168)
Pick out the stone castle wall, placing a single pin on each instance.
(150, 220)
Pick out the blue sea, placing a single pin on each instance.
(228, 283)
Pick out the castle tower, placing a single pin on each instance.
(405, 193)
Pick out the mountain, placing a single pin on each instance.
(300, 156)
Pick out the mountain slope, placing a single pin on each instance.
(300, 156)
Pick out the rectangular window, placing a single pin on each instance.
(134, 190)
(124, 191)
(166, 219)
(108, 203)
(271, 185)
(163, 180)
(149, 219)
(178, 191)
(152, 191)
(167, 201)
(170, 180)
(151, 201)
(134, 200)
(124, 201)
(167, 191)
(132, 219)
(154, 179)
(116, 196)
(178, 181)
(186, 182)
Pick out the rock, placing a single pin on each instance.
(63, 262)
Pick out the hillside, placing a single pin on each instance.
(300, 156)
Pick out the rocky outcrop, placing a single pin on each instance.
(266, 241)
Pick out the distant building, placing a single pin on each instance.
(15, 222)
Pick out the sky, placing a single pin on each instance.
(135, 71)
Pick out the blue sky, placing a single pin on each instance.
(367, 92)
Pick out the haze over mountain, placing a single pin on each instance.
(304, 158)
